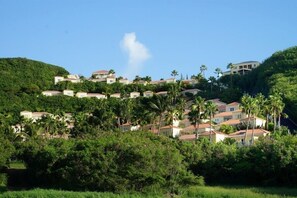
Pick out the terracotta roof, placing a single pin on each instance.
(170, 127)
(95, 94)
(34, 114)
(233, 104)
(257, 132)
(101, 72)
(252, 118)
(201, 126)
(188, 137)
(231, 122)
(51, 91)
(206, 133)
(161, 92)
(223, 114)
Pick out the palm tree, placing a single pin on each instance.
(174, 73)
(277, 105)
(111, 71)
(197, 108)
(174, 92)
(218, 71)
(231, 67)
(172, 114)
(210, 110)
(211, 80)
(159, 104)
(203, 68)
(249, 107)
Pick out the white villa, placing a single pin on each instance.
(242, 68)
(96, 95)
(101, 74)
(51, 93)
(81, 94)
(68, 93)
(134, 94)
(33, 115)
(74, 78)
(115, 95)
(148, 94)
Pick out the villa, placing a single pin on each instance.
(51, 93)
(96, 95)
(74, 78)
(68, 93)
(242, 68)
(148, 94)
(134, 94)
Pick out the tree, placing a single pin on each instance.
(197, 108)
(210, 110)
(203, 68)
(159, 104)
(211, 80)
(174, 73)
(277, 105)
(174, 92)
(111, 71)
(219, 72)
(230, 66)
(249, 106)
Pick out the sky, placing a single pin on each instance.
(146, 37)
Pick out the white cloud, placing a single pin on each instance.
(137, 53)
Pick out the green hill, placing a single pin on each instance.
(277, 72)
(21, 74)
(22, 80)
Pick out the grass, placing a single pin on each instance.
(40, 193)
(197, 191)
(242, 192)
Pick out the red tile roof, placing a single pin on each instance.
(223, 114)
(233, 104)
(257, 132)
(188, 137)
(231, 122)
(101, 72)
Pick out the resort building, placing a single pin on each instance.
(148, 94)
(242, 68)
(51, 93)
(68, 93)
(74, 78)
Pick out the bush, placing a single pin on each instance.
(116, 162)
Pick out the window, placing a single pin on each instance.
(232, 109)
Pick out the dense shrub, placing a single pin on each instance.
(115, 162)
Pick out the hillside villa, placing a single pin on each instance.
(242, 68)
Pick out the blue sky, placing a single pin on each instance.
(146, 37)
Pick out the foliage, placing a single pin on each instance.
(277, 72)
(24, 75)
(114, 162)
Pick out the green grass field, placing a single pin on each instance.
(205, 192)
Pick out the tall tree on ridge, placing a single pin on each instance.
(174, 73)
(197, 108)
(210, 110)
(203, 68)
(159, 104)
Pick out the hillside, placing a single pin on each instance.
(277, 72)
(21, 74)
(20, 79)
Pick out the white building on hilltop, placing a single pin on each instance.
(242, 68)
